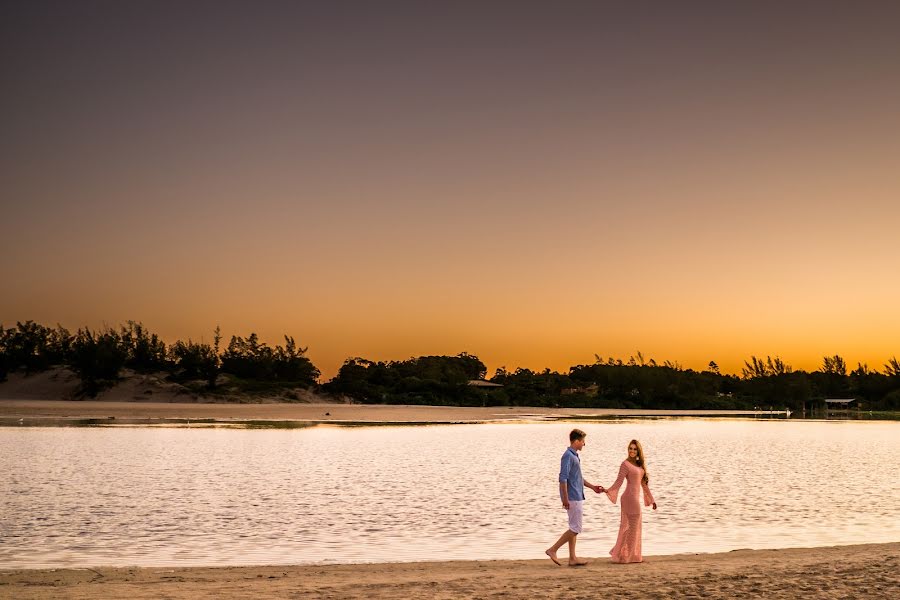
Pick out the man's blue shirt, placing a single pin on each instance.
(570, 472)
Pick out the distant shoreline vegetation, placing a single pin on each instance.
(99, 357)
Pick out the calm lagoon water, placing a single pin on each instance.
(174, 496)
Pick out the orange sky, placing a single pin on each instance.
(694, 184)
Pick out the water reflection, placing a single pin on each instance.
(157, 496)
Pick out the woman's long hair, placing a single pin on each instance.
(639, 460)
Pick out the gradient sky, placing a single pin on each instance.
(530, 182)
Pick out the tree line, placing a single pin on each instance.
(617, 383)
(98, 358)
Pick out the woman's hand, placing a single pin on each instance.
(654, 506)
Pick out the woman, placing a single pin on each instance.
(633, 469)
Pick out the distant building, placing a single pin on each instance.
(589, 390)
(481, 383)
(839, 402)
(840, 406)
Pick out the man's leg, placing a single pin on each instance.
(575, 518)
(563, 539)
(574, 561)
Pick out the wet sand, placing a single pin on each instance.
(866, 571)
(37, 412)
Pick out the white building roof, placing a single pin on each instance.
(483, 383)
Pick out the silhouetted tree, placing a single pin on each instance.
(5, 361)
(194, 361)
(831, 380)
(421, 380)
(292, 366)
(759, 368)
(33, 347)
(97, 359)
(250, 359)
(144, 350)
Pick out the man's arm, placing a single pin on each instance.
(564, 467)
(564, 493)
(597, 488)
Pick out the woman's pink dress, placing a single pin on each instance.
(628, 544)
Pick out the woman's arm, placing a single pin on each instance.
(612, 492)
(648, 497)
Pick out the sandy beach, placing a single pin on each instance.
(40, 412)
(47, 398)
(870, 571)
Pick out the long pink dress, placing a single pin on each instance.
(628, 544)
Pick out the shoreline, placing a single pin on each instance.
(870, 570)
(70, 412)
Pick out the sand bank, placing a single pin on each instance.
(867, 571)
(48, 412)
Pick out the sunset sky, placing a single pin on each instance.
(533, 183)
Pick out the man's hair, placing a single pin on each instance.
(576, 434)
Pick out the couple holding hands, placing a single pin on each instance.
(571, 491)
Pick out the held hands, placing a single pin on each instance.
(598, 489)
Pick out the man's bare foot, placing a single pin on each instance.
(553, 557)
(577, 562)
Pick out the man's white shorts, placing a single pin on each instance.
(576, 510)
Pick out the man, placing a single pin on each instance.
(571, 492)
